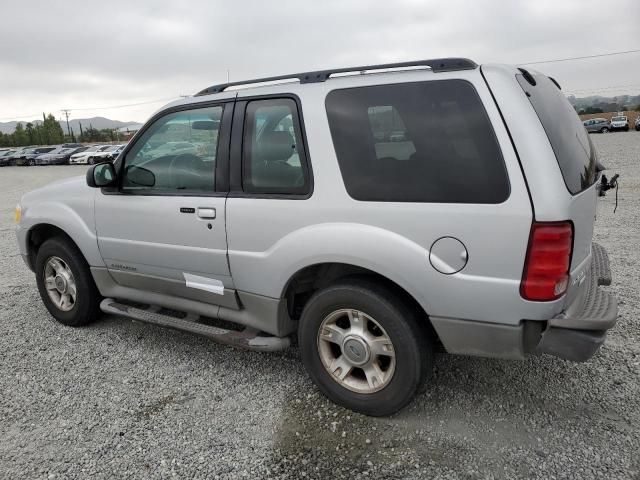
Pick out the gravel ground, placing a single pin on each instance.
(124, 399)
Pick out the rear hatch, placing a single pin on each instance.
(578, 162)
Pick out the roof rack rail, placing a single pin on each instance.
(436, 65)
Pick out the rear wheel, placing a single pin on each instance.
(32, 163)
(65, 283)
(364, 348)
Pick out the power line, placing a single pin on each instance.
(537, 62)
(21, 116)
(556, 60)
(125, 105)
(94, 108)
(612, 87)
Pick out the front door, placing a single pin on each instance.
(163, 228)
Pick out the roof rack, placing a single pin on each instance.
(436, 65)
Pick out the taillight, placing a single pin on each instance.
(546, 270)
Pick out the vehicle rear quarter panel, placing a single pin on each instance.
(271, 239)
(551, 199)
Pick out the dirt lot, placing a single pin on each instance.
(124, 399)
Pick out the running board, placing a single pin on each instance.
(247, 339)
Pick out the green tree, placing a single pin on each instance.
(52, 130)
(31, 133)
(20, 136)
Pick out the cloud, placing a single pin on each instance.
(79, 54)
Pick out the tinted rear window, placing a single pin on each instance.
(416, 142)
(570, 142)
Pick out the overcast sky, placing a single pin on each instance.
(81, 54)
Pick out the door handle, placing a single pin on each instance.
(207, 213)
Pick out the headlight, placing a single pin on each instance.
(18, 213)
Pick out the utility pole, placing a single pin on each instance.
(66, 114)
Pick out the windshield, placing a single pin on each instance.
(618, 119)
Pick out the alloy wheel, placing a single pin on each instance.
(356, 351)
(60, 284)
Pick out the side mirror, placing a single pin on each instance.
(140, 176)
(101, 175)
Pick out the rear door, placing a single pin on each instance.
(163, 228)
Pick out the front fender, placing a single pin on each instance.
(386, 253)
(75, 220)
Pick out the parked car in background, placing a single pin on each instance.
(5, 157)
(12, 158)
(60, 157)
(82, 158)
(105, 155)
(597, 125)
(116, 152)
(28, 156)
(620, 122)
(637, 125)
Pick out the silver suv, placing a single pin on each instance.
(600, 125)
(379, 213)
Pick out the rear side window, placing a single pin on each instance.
(272, 157)
(571, 144)
(416, 142)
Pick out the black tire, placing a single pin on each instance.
(91, 161)
(32, 163)
(87, 305)
(405, 327)
(604, 130)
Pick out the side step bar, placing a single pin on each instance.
(247, 339)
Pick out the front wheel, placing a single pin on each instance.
(604, 130)
(65, 283)
(32, 163)
(364, 348)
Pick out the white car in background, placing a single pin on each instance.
(82, 158)
(109, 153)
(620, 122)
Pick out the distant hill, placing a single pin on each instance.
(606, 104)
(96, 122)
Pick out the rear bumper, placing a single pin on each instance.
(579, 336)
